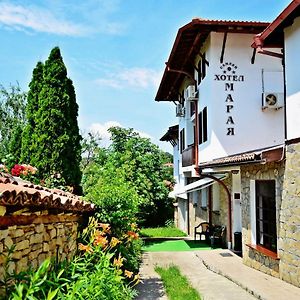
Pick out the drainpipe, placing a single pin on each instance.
(229, 205)
(196, 141)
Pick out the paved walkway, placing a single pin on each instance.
(262, 286)
(235, 282)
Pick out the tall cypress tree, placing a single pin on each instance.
(56, 140)
(28, 142)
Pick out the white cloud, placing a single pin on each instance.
(37, 19)
(109, 82)
(141, 78)
(102, 131)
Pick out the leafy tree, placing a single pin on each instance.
(90, 149)
(54, 145)
(12, 120)
(116, 199)
(141, 164)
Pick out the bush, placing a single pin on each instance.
(116, 201)
(98, 272)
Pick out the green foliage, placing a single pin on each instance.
(93, 276)
(143, 163)
(38, 285)
(51, 140)
(116, 199)
(140, 164)
(97, 272)
(29, 144)
(177, 285)
(162, 232)
(12, 120)
(90, 149)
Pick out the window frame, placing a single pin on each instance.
(182, 140)
(202, 124)
(265, 220)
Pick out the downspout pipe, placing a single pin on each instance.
(229, 225)
(196, 141)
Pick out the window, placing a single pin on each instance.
(216, 197)
(266, 214)
(192, 108)
(202, 123)
(182, 142)
(204, 197)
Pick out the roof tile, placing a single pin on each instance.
(16, 192)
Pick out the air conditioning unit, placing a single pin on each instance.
(180, 111)
(272, 100)
(190, 92)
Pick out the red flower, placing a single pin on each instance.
(17, 170)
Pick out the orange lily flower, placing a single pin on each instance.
(85, 248)
(128, 274)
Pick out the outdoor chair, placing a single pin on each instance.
(202, 229)
(217, 237)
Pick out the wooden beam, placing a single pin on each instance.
(253, 56)
(223, 47)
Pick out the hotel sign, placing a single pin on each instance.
(230, 77)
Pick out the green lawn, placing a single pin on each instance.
(176, 285)
(162, 232)
(175, 245)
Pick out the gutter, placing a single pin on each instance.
(260, 38)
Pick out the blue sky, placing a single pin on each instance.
(114, 51)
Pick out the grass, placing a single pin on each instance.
(162, 232)
(173, 246)
(176, 285)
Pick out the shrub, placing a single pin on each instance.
(116, 200)
(97, 272)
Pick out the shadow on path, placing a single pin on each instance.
(150, 289)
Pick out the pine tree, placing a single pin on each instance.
(28, 143)
(56, 139)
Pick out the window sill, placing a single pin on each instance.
(264, 251)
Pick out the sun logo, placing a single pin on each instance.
(228, 68)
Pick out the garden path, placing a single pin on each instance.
(209, 284)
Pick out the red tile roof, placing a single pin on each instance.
(187, 45)
(257, 156)
(16, 192)
(236, 159)
(272, 36)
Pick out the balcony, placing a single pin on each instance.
(188, 156)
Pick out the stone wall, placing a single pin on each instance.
(223, 217)
(35, 238)
(289, 223)
(198, 214)
(269, 171)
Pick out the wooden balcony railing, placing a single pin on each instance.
(188, 156)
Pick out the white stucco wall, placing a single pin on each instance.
(176, 162)
(292, 62)
(253, 127)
